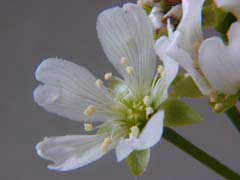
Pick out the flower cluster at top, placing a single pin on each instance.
(146, 42)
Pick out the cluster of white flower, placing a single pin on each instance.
(130, 107)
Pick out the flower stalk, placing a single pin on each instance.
(234, 115)
(189, 148)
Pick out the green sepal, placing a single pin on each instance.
(225, 102)
(138, 161)
(184, 86)
(178, 114)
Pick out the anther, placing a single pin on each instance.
(218, 106)
(124, 61)
(88, 127)
(213, 96)
(147, 100)
(99, 83)
(149, 111)
(134, 132)
(108, 76)
(106, 143)
(130, 70)
(90, 110)
(160, 69)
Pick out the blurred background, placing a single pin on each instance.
(31, 31)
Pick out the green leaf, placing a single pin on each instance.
(184, 86)
(138, 161)
(178, 114)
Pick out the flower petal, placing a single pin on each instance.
(152, 132)
(220, 63)
(69, 89)
(190, 26)
(123, 149)
(128, 32)
(186, 61)
(71, 152)
(160, 92)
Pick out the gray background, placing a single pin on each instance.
(32, 30)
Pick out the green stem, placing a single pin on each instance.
(234, 116)
(189, 148)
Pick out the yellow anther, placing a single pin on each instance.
(99, 83)
(213, 96)
(124, 61)
(106, 143)
(147, 100)
(218, 106)
(108, 76)
(90, 110)
(130, 70)
(160, 69)
(149, 111)
(88, 127)
(134, 132)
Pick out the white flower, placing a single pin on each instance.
(231, 5)
(212, 65)
(69, 90)
(220, 63)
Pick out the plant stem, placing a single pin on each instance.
(234, 116)
(189, 148)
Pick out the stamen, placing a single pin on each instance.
(213, 96)
(161, 70)
(106, 143)
(218, 106)
(99, 83)
(147, 100)
(124, 61)
(134, 132)
(149, 111)
(108, 76)
(130, 70)
(90, 110)
(88, 127)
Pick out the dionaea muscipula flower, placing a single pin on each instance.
(128, 109)
(211, 64)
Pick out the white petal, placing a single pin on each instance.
(190, 26)
(68, 89)
(175, 11)
(70, 152)
(160, 92)
(220, 63)
(156, 17)
(123, 150)
(186, 61)
(128, 32)
(152, 132)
